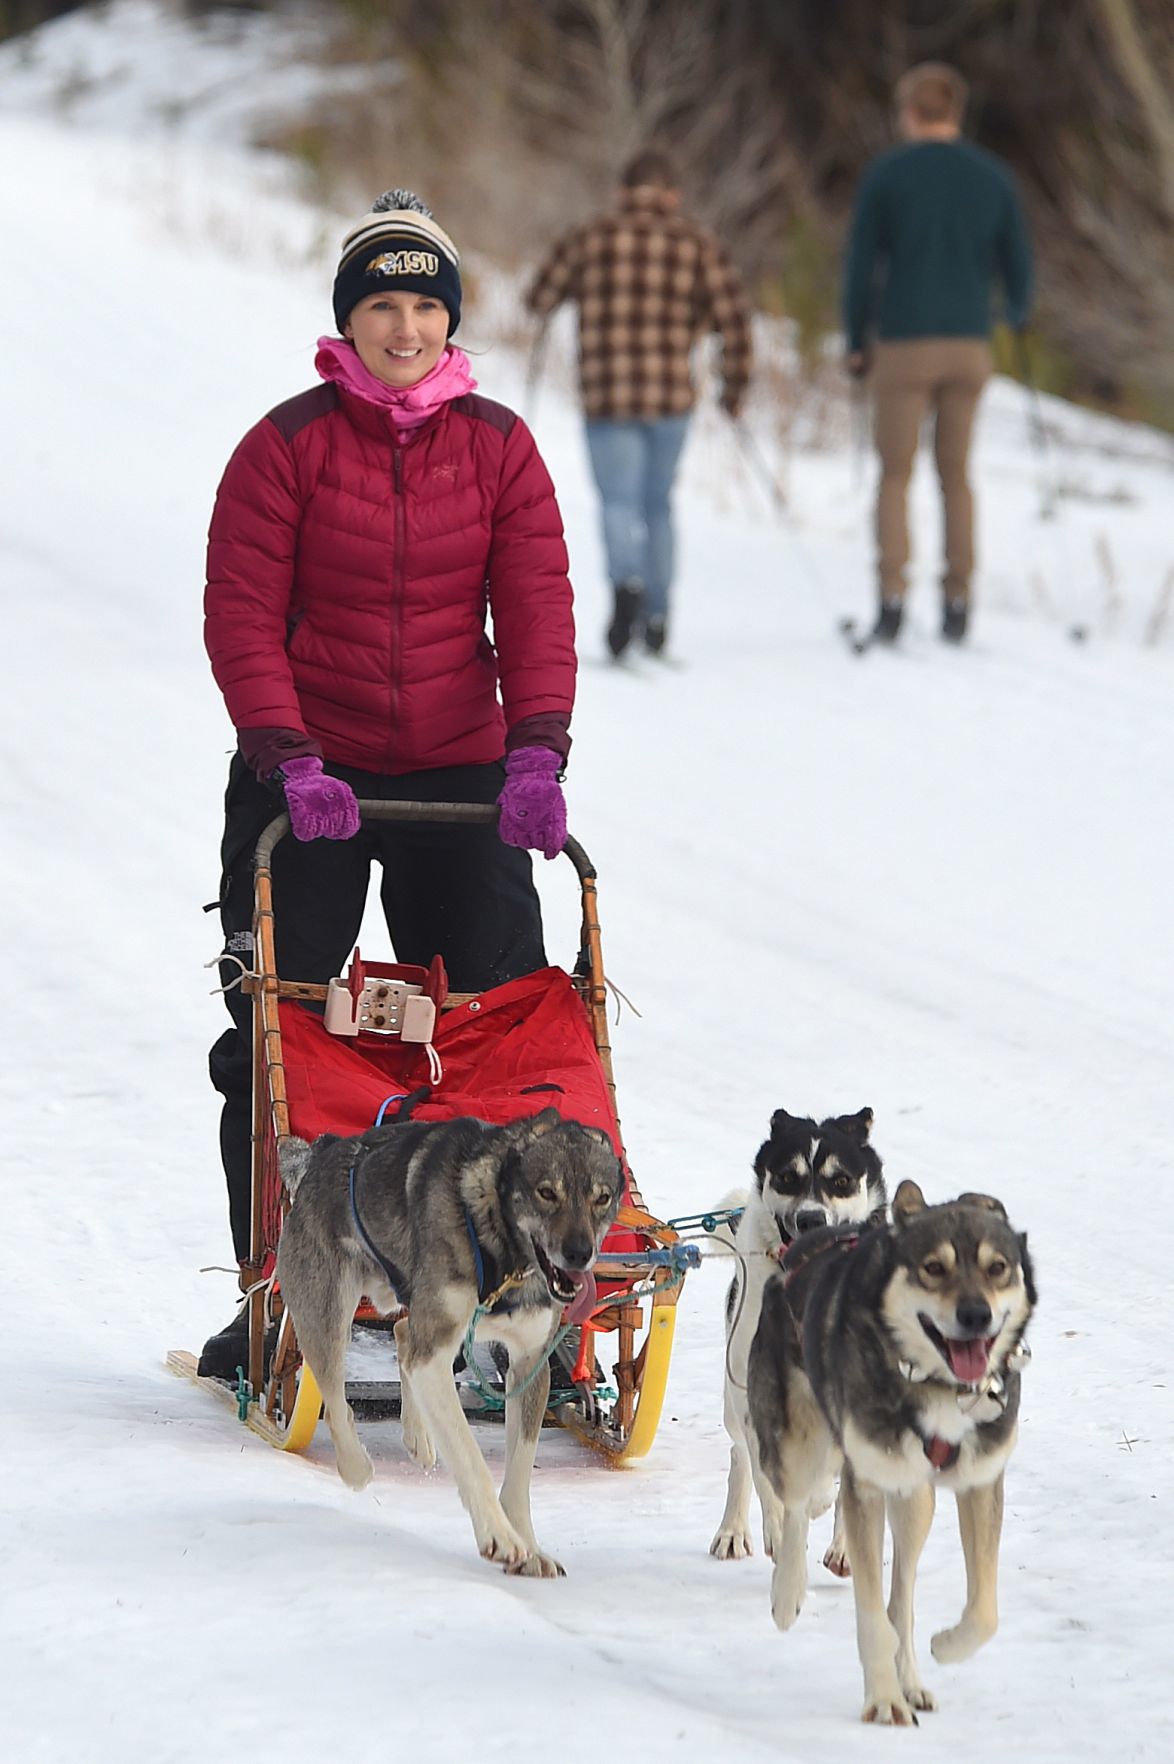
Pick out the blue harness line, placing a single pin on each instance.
(395, 1279)
(478, 1257)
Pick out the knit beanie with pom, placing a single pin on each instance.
(398, 246)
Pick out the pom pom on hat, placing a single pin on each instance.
(400, 202)
(397, 246)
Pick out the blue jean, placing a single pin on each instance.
(635, 461)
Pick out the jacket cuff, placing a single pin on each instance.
(548, 730)
(263, 750)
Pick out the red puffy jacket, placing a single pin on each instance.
(349, 577)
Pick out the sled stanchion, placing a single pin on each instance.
(270, 1102)
(627, 1368)
(597, 995)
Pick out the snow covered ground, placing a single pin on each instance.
(934, 882)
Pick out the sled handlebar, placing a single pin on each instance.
(483, 814)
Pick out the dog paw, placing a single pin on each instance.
(732, 1544)
(889, 1711)
(785, 1611)
(786, 1602)
(836, 1561)
(503, 1546)
(356, 1469)
(539, 1567)
(918, 1697)
(951, 1645)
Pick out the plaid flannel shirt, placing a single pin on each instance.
(648, 283)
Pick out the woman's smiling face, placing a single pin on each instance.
(399, 337)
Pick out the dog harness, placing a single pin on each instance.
(396, 1280)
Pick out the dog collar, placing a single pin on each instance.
(845, 1239)
(993, 1387)
(486, 1269)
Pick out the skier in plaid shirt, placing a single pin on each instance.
(648, 283)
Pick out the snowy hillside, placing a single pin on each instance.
(934, 882)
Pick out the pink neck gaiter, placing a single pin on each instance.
(410, 406)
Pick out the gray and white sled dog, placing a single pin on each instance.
(893, 1357)
(442, 1217)
(807, 1175)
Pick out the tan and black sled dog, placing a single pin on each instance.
(893, 1358)
(446, 1217)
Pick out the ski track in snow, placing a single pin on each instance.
(934, 882)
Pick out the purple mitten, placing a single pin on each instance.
(320, 807)
(533, 813)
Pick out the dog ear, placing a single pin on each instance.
(780, 1121)
(986, 1201)
(1028, 1270)
(857, 1127)
(601, 1134)
(532, 1127)
(907, 1202)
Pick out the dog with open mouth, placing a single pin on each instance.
(808, 1175)
(453, 1220)
(893, 1356)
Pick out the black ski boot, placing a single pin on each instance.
(625, 616)
(888, 621)
(655, 635)
(955, 617)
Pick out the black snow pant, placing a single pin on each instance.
(453, 891)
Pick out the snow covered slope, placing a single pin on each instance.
(934, 882)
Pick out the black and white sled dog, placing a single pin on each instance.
(806, 1176)
(437, 1216)
(894, 1358)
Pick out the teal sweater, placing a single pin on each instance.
(936, 223)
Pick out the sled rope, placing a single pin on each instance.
(491, 1398)
(246, 973)
(705, 1223)
(618, 995)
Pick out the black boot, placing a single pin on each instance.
(955, 616)
(654, 635)
(222, 1353)
(625, 616)
(888, 621)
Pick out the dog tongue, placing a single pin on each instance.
(584, 1301)
(968, 1359)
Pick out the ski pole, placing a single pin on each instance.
(1041, 441)
(534, 372)
(1037, 429)
(859, 431)
(761, 465)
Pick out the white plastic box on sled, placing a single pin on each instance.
(383, 1007)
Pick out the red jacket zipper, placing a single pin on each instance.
(398, 575)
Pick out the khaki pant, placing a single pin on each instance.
(945, 375)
